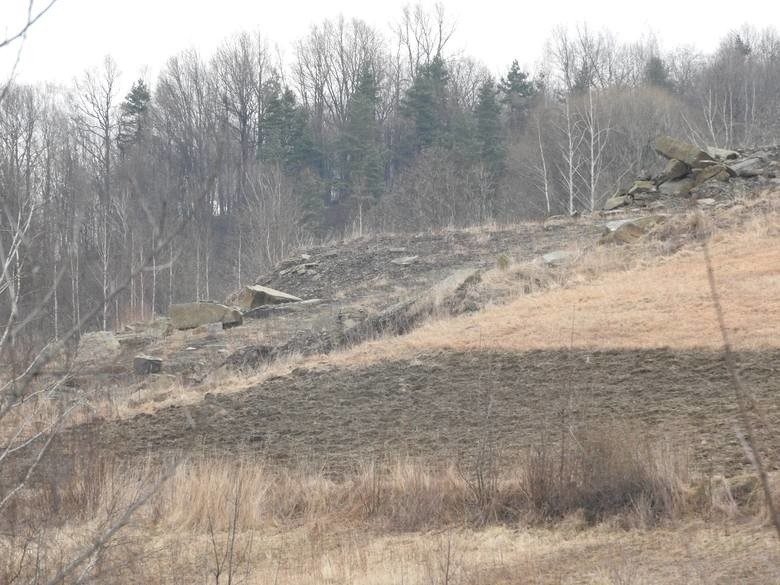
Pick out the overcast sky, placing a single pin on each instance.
(142, 34)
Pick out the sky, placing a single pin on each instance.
(141, 34)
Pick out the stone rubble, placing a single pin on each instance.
(698, 173)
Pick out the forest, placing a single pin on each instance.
(187, 186)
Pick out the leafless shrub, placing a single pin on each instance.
(602, 472)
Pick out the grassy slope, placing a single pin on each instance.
(658, 303)
(665, 302)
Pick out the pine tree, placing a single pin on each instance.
(489, 130)
(656, 73)
(425, 105)
(133, 109)
(285, 132)
(516, 93)
(361, 148)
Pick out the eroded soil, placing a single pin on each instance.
(441, 405)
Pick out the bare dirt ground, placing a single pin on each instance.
(440, 405)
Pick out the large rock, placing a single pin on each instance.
(640, 187)
(722, 154)
(98, 346)
(628, 232)
(703, 175)
(146, 364)
(678, 188)
(671, 148)
(191, 315)
(256, 296)
(674, 169)
(750, 167)
(616, 201)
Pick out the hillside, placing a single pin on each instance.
(393, 421)
(615, 334)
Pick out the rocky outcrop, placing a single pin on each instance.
(693, 172)
(256, 296)
(191, 315)
(674, 149)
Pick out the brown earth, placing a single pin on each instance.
(437, 404)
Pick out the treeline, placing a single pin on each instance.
(225, 163)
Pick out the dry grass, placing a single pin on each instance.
(621, 297)
(397, 522)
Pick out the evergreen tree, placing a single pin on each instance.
(489, 131)
(656, 73)
(286, 137)
(516, 93)
(361, 148)
(426, 105)
(134, 110)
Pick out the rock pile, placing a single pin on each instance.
(689, 167)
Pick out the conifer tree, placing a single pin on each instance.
(516, 93)
(361, 147)
(426, 104)
(134, 110)
(489, 130)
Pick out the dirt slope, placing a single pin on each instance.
(440, 405)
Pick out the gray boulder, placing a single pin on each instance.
(191, 315)
(670, 148)
(256, 296)
(674, 169)
(146, 364)
(750, 167)
(712, 172)
(640, 187)
(616, 201)
(678, 188)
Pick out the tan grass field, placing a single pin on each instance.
(663, 302)
(224, 522)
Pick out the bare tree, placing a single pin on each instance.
(96, 110)
(423, 35)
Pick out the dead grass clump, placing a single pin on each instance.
(503, 262)
(603, 472)
(680, 230)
